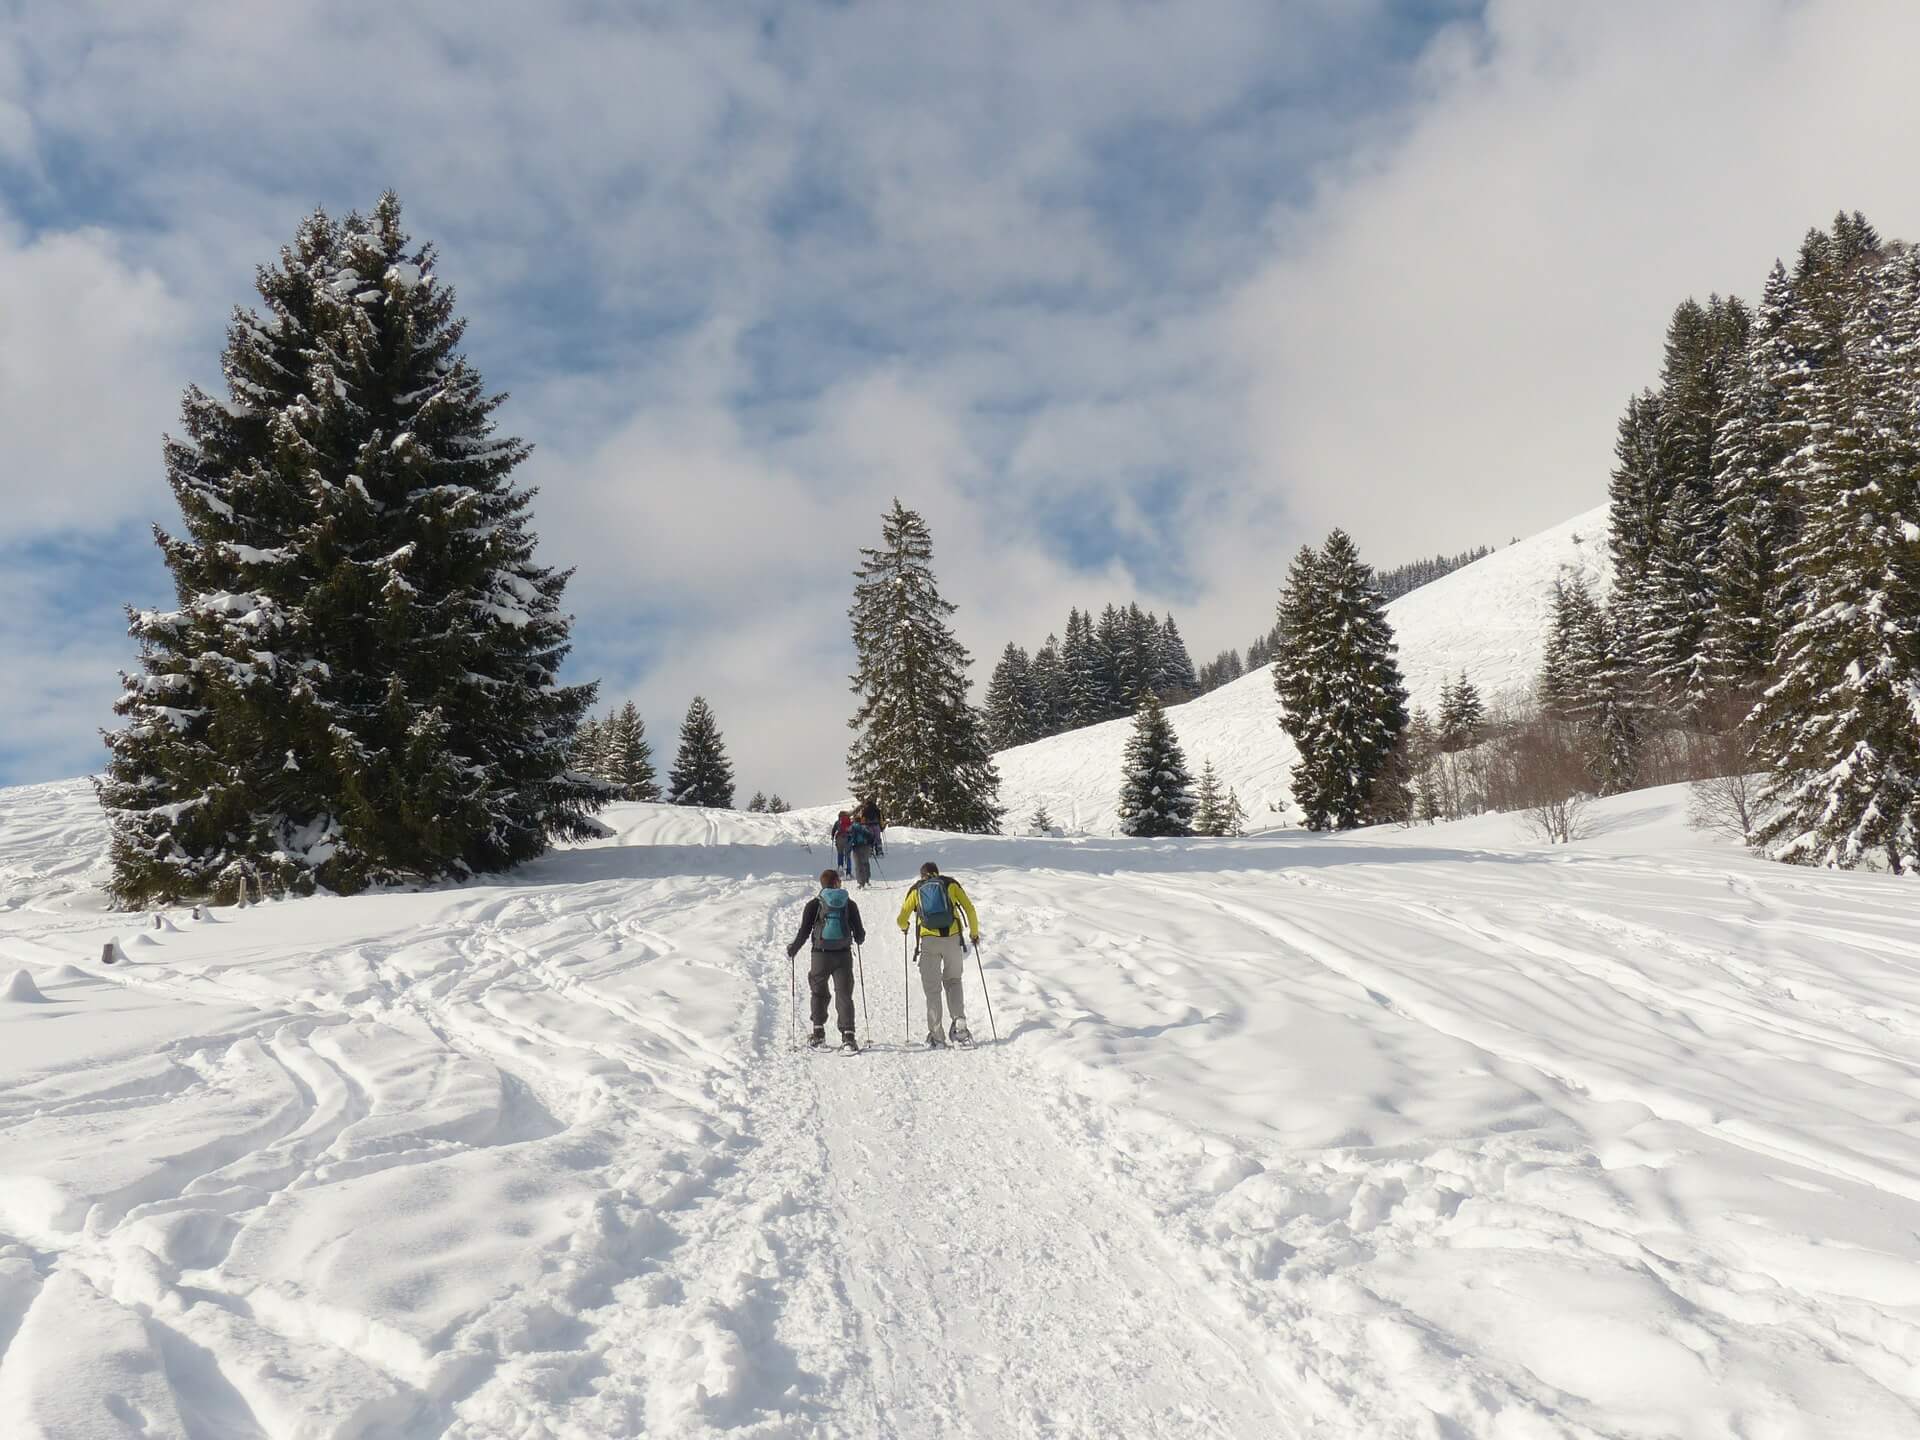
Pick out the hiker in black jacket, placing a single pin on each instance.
(831, 924)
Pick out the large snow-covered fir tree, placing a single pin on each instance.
(357, 682)
(1840, 725)
(1156, 790)
(702, 774)
(1342, 699)
(920, 752)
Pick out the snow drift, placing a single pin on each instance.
(1390, 1135)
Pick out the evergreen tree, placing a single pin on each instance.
(1606, 704)
(1013, 717)
(1840, 726)
(1041, 823)
(1156, 792)
(357, 685)
(1176, 665)
(921, 754)
(1045, 690)
(1676, 601)
(758, 804)
(1210, 810)
(588, 751)
(1341, 696)
(1235, 824)
(1080, 697)
(1109, 655)
(702, 775)
(1463, 715)
(628, 757)
(1636, 499)
(1562, 673)
(777, 806)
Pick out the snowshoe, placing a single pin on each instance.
(817, 1039)
(936, 1042)
(961, 1036)
(849, 1045)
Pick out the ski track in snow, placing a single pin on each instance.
(1408, 1134)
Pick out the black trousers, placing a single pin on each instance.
(835, 966)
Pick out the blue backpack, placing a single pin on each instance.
(831, 930)
(936, 905)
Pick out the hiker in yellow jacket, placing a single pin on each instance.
(934, 906)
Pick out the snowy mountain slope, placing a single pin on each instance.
(1488, 618)
(1394, 1134)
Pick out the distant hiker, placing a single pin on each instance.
(842, 828)
(831, 924)
(860, 843)
(870, 817)
(934, 905)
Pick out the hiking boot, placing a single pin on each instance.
(959, 1034)
(847, 1042)
(819, 1035)
(936, 1041)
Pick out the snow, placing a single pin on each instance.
(1488, 618)
(1403, 1133)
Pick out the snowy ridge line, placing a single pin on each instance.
(1488, 618)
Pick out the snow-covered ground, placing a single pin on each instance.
(1488, 619)
(1425, 1133)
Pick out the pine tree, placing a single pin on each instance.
(1176, 665)
(1606, 704)
(1080, 698)
(1676, 601)
(589, 747)
(1463, 715)
(1562, 674)
(921, 753)
(1236, 816)
(1636, 500)
(1012, 716)
(777, 806)
(628, 758)
(1109, 655)
(1210, 810)
(1044, 690)
(1156, 792)
(1840, 726)
(1041, 823)
(358, 683)
(702, 775)
(1341, 696)
(758, 804)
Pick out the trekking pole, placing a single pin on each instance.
(793, 1007)
(906, 985)
(860, 959)
(983, 989)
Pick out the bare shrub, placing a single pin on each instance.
(1726, 805)
(1537, 770)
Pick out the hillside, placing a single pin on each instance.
(1488, 618)
(1397, 1135)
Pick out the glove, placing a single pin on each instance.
(792, 950)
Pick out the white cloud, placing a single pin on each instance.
(1442, 344)
(91, 349)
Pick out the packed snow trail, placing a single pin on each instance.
(1408, 1135)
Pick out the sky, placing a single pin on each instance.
(1129, 299)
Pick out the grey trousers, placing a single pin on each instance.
(942, 967)
(835, 967)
